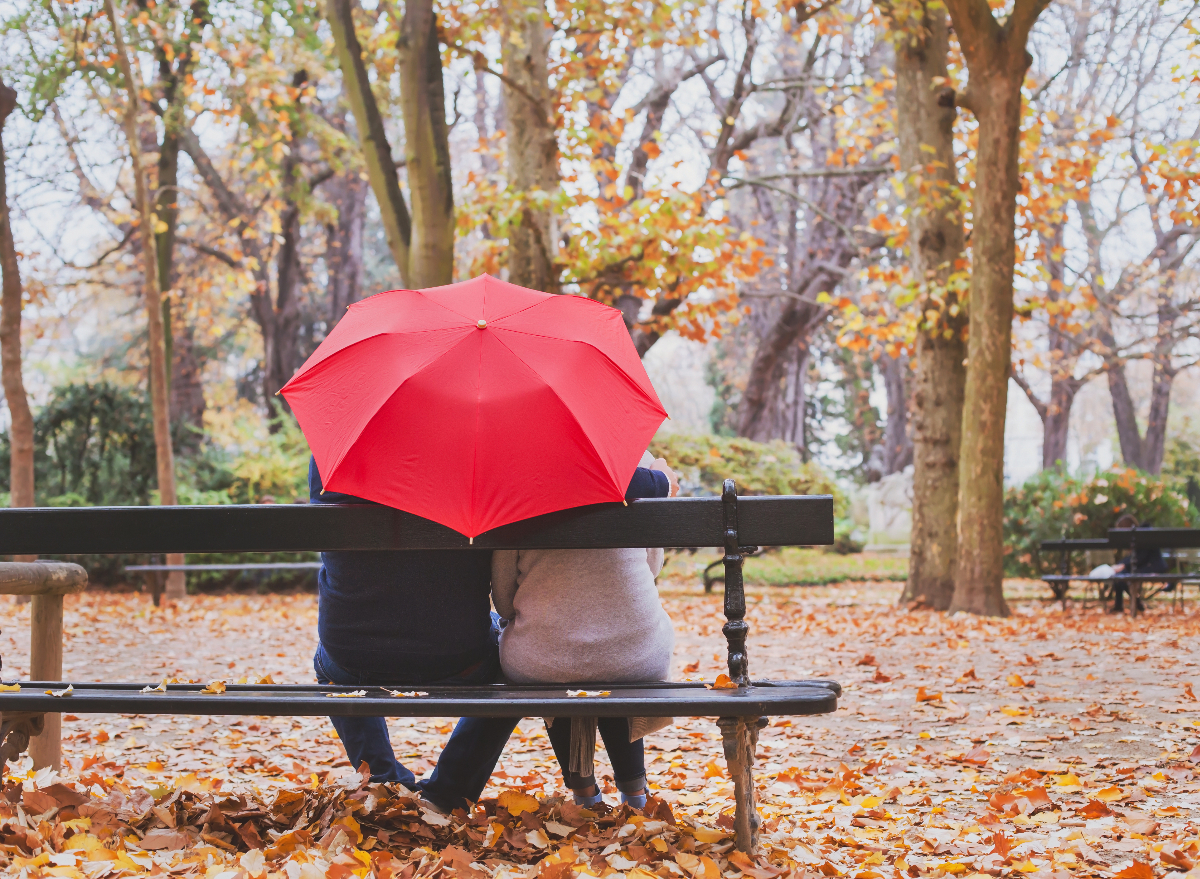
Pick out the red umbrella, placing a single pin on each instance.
(476, 404)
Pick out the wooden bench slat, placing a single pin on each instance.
(666, 522)
(797, 698)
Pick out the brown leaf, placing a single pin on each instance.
(162, 838)
(869, 659)
(880, 677)
(65, 796)
(36, 802)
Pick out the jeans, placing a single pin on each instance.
(628, 758)
(465, 764)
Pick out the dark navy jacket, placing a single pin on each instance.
(414, 615)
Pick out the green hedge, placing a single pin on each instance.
(705, 461)
(1054, 505)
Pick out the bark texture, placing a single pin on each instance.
(427, 148)
(21, 429)
(377, 152)
(925, 122)
(1138, 449)
(897, 442)
(532, 147)
(151, 288)
(421, 241)
(997, 60)
(344, 243)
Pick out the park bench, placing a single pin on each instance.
(1129, 540)
(154, 572)
(734, 523)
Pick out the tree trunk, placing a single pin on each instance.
(377, 152)
(1137, 450)
(925, 127)
(423, 102)
(151, 288)
(758, 412)
(937, 434)
(21, 429)
(532, 146)
(344, 244)
(187, 388)
(1056, 420)
(898, 446)
(997, 61)
(279, 320)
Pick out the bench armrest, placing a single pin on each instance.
(41, 578)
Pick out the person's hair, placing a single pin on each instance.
(1127, 521)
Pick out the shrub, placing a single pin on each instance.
(1054, 505)
(704, 462)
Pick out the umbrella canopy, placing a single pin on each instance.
(476, 404)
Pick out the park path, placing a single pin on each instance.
(1072, 735)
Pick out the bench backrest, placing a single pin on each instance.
(728, 521)
(1078, 543)
(1154, 538)
(667, 522)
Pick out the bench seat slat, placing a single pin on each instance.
(665, 522)
(778, 698)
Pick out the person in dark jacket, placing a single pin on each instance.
(419, 618)
(1148, 561)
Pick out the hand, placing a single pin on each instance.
(660, 464)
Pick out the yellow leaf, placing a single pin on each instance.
(10, 688)
(1110, 794)
(705, 834)
(214, 688)
(1016, 681)
(516, 802)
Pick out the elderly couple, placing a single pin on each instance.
(564, 616)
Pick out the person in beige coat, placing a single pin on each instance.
(579, 616)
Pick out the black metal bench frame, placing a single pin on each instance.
(1129, 539)
(728, 521)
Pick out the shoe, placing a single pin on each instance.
(585, 801)
(637, 801)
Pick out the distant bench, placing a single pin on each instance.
(1131, 540)
(734, 523)
(155, 572)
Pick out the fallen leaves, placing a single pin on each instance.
(589, 693)
(723, 682)
(881, 790)
(213, 688)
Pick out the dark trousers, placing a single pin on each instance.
(628, 758)
(465, 764)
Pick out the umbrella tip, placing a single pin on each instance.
(470, 541)
(626, 503)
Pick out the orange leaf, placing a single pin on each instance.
(1137, 870)
(922, 696)
(712, 769)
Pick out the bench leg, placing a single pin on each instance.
(45, 664)
(17, 728)
(739, 736)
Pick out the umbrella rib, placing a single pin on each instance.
(358, 342)
(438, 356)
(566, 408)
(595, 348)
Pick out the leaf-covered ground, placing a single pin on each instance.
(1049, 744)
